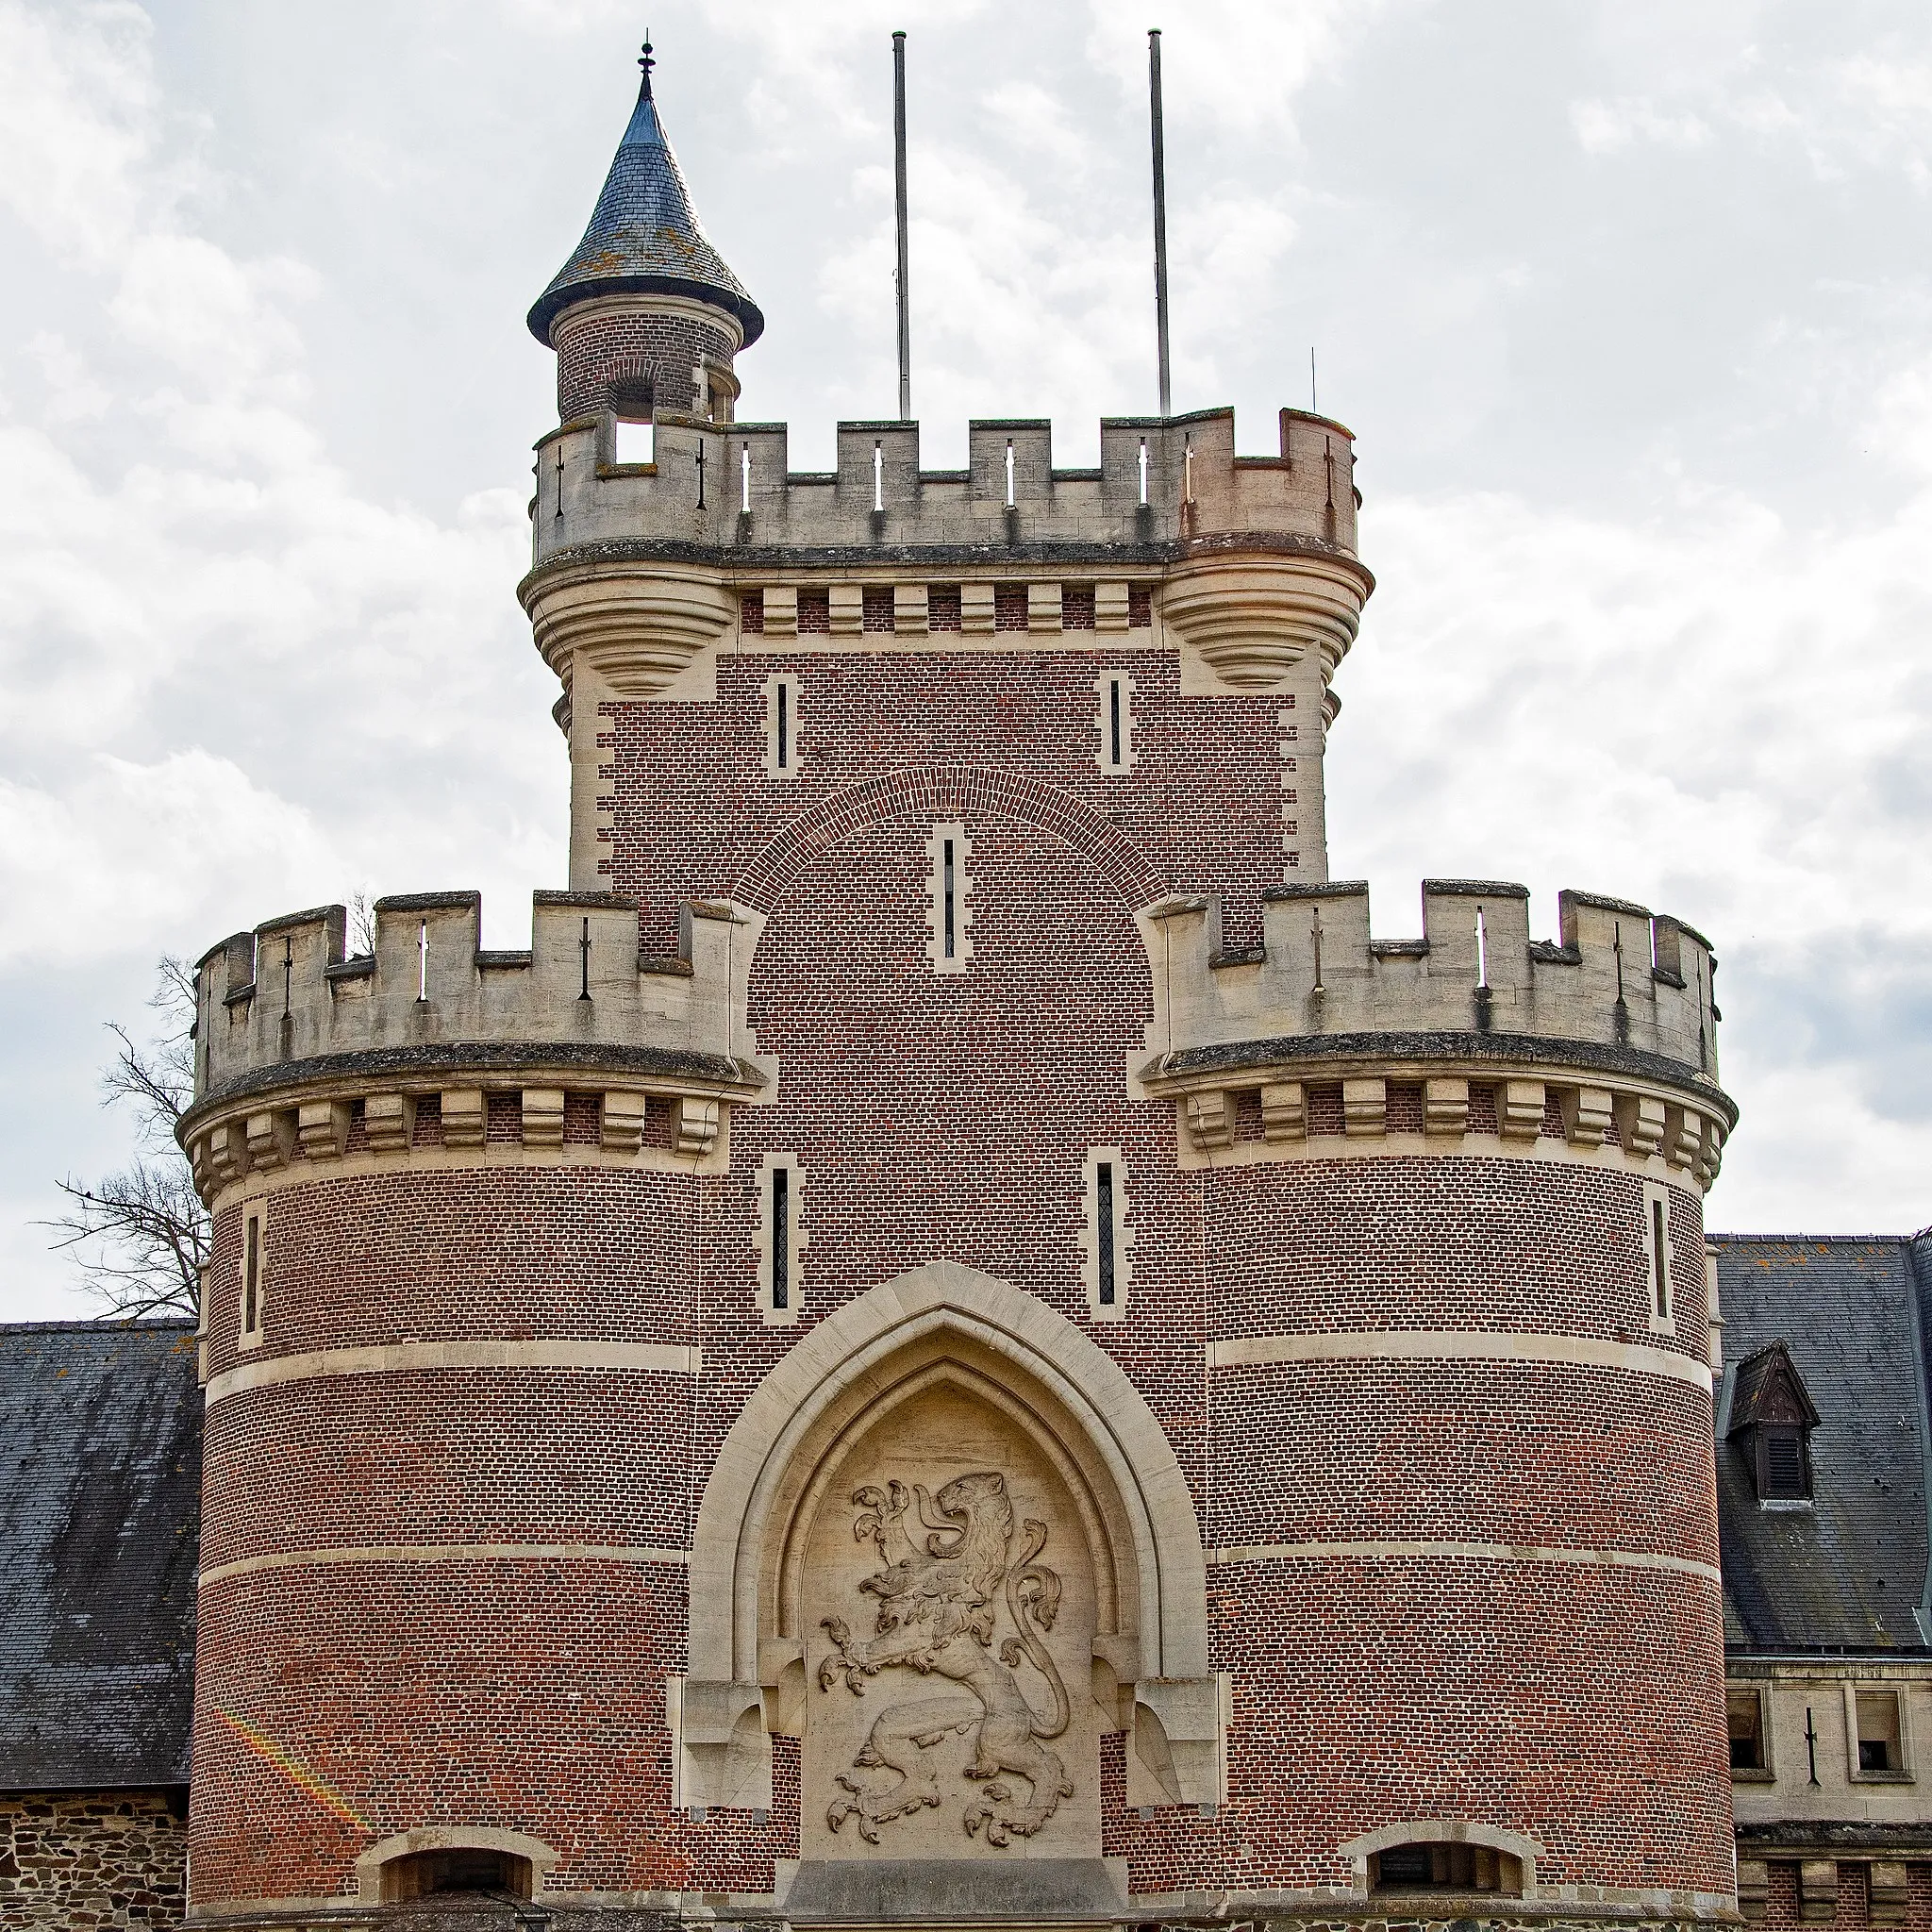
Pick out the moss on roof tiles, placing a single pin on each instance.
(644, 236)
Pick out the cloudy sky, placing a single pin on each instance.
(1629, 305)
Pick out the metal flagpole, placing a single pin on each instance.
(899, 174)
(1159, 217)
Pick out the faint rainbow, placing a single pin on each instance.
(297, 1774)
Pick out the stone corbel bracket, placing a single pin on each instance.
(634, 632)
(1326, 1097)
(1255, 616)
(342, 1114)
(720, 1756)
(1179, 1741)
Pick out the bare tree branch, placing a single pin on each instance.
(140, 1236)
(361, 923)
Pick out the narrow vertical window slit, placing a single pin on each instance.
(1659, 1251)
(1103, 1187)
(781, 1238)
(251, 1298)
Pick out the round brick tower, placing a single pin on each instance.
(957, 1341)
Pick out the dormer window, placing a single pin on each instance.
(1781, 1473)
(1878, 1736)
(1771, 1420)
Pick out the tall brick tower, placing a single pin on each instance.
(956, 1342)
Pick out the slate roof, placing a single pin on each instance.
(100, 1503)
(644, 236)
(1847, 1572)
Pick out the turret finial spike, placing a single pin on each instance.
(647, 63)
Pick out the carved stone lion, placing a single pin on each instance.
(939, 1607)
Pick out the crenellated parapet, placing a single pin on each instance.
(1249, 562)
(1162, 481)
(1604, 1038)
(301, 1047)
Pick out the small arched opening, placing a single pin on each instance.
(633, 409)
(1445, 1865)
(457, 1869)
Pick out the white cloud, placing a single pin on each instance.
(1604, 126)
(223, 322)
(1901, 424)
(77, 114)
(234, 682)
(1872, 110)
(1709, 712)
(125, 847)
(1240, 62)
(73, 393)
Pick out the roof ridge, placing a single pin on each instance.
(1800, 1236)
(103, 1324)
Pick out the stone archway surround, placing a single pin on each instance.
(943, 1318)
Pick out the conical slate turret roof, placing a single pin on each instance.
(644, 236)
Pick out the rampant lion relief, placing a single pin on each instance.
(939, 1607)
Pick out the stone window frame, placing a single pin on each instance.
(624, 382)
(787, 681)
(1658, 1254)
(1524, 1850)
(1116, 1309)
(1764, 1773)
(954, 831)
(1106, 684)
(1905, 1772)
(537, 1854)
(1506, 1870)
(252, 1298)
(796, 1238)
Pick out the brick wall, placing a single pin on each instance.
(79, 1859)
(693, 806)
(949, 1115)
(660, 350)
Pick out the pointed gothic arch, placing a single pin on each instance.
(945, 1324)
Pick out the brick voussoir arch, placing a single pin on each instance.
(948, 791)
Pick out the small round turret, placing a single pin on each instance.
(645, 316)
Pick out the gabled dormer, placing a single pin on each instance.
(1772, 1418)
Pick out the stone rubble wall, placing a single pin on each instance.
(83, 1860)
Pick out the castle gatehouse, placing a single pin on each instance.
(959, 1341)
